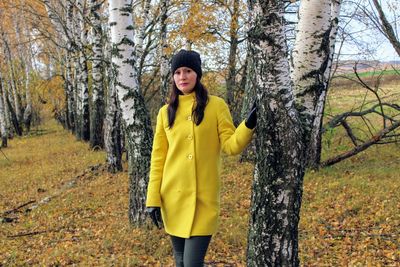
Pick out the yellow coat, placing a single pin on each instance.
(186, 163)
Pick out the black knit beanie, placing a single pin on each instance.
(190, 59)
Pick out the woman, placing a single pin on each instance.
(185, 162)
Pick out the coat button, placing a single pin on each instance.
(190, 156)
(189, 118)
(190, 137)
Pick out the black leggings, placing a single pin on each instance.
(190, 252)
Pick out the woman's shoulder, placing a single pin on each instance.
(216, 102)
(163, 110)
(213, 99)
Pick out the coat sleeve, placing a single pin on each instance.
(233, 140)
(158, 156)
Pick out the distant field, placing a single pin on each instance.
(375, 73)
(348, 80)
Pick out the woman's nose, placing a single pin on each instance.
(182, 76)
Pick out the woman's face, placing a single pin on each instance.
(185, 79)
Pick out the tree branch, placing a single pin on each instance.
(375, 139)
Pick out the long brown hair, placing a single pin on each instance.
(201, 102)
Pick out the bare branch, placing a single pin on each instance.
(375, 139)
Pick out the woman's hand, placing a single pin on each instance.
(155, 215)
(251, 120)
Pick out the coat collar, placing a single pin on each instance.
(187, 98)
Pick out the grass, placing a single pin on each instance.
(349, 215)
(374, 73)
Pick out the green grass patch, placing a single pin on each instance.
(374, 73)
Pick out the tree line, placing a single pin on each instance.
(102, 67)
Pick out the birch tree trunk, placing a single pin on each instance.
(84, 72)
(3, 122)
(65, 34)
(78, 69)
(69, 86)
(26, 65)
(279, 168)
(78, 98)
(164, 62)
(97, 114)
(249, 154)
(28, 109)
(8, 123)
(134, 113)
(387, 28)
(138, 49)
(112, 129)
(13, 84)
(112, 123)
(69, 90)
(233, 46)
(312, 61)
(28, 68)
(13, 114)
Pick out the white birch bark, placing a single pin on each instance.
(112, 122)
(315, 146)
(8, 123)
(20, 82)
(69, 86)
(97, 114)
(77, 31)
(311, 56)
(78, 98)
(164, 62)
(134, 113)
(3, 122)
(28, 68)
(112, 127)
(13, 86)
(83, 76)
(55, 20)
(11, 110)
(312, 61)
(279, 169)
(28, 97)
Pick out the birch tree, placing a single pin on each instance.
(3, 96)
(283, 128)
(13, 83)
(231, 85)
(135, 116)
(28, 68)
(312, 57)
(3, 122)
(143, 13)
(112, 128)
(112, 122)
(83, 75)
(97, 114)
(69, 84)
(164, 62)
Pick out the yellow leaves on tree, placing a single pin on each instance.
(194, 24)
(52, 94)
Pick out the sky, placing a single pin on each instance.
(363, 40)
